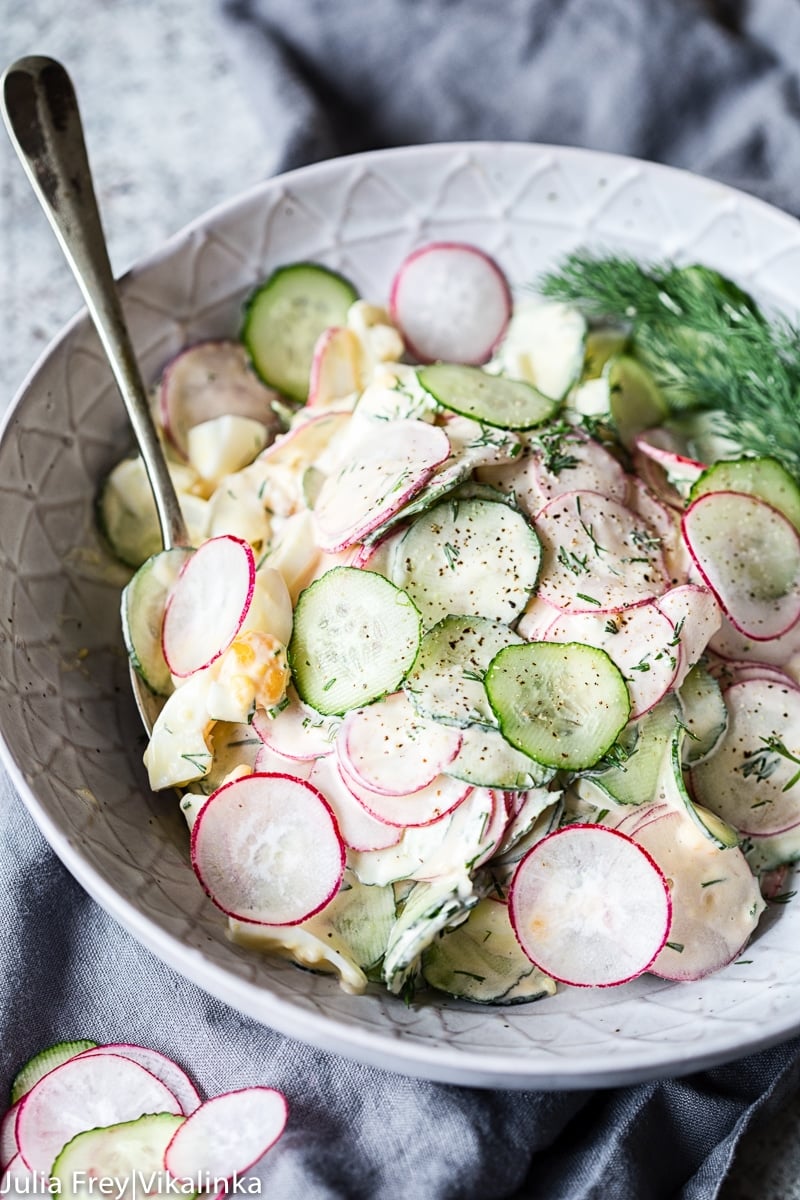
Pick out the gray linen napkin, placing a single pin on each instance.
(712, 88)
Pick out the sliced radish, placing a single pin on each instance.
(571, 906)
(19, 1179)
(208, 604)
(421, 807)
(9, 1147)
(749, 555)
(665, 523)
(84, 1093)
(451, 302)
(597, 556)
(666, 449)
(297, 732)
(303, 445)
(360, 830)
(208, 380)
(170, 1074)
(747, 782)
(640, 642)
(715, 898)
(655, 479)
(228, 1135)
(269, 762)
(387, 465)
(731, 644)
(496, 827)
(267, 849)
(743, 672)
(520, 479)
(578, 463)
(539, 615)
(387, 748)
(336, 368)
(696, 616)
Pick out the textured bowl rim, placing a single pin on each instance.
(444, 1062)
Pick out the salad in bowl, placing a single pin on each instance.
(489, 624)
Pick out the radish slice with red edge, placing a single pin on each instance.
(269, 762)
(749, 555)
(335, 368)
(360, 830)
(228, 1135)
(9, 1147)
(451, 302)
(387, 748)
(695, 615)
(388, 465)
(208, 380)
(267, 849)
(422, 807)
(85, 1093)
(297, 732)
(573, 911)
(208, 604)
(170, 1074)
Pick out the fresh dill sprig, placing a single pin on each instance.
(705, 341)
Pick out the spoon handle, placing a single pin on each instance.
(41, 114)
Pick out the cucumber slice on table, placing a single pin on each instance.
(355, 637)
(285, 316)
(492, 399)
(44, 1062)
(126, 1152)
(562, 704)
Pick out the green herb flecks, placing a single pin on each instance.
(777, 747)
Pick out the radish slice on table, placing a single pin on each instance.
(696, 617)
(267, 849)
(360, 830)
(208, 604)
(170, 1074)
(640, 642)
(228, 1135)
(388, 748)
(749, 555)
(9, 1147)
(206, 381)
(715, 898)
(597, 555)
(297, 732)
(451, 302)
(335, 368)
(421, 807)
(386, 467)
(84, 1093)
(572, 910)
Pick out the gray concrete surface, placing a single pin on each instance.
(170, 134)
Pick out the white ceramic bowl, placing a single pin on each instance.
(72, 739)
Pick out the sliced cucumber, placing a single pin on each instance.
(429, 908)
(355, 637)
(481, 961)
(634, 779)
(766, 853)
(124, 1153)
(143, 602)
(468, 555)
(564, 705)
(635, 401)
(487, 760)
(446, 682)
(602, 343)
(126, 512)
(42, 1063)
(705, 715)
(673, 790)
(491, 399)
(764, 478)
(285, 316)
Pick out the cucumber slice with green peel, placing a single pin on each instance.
(704, 715)
(471, 554)
(481, 961)
(635, 400)
(429, 909)
(602, 343)
(126, 512)
(777, 850)
(125, 1153)
(491, 399)
(43, 1062)
(634, 779)
(487, 760)
(562, 704)
(143, 603)
(673, 791)
(763, 478)
(446, 681)
(284, 318)
(355, 638)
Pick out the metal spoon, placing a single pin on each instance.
(40, 111)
